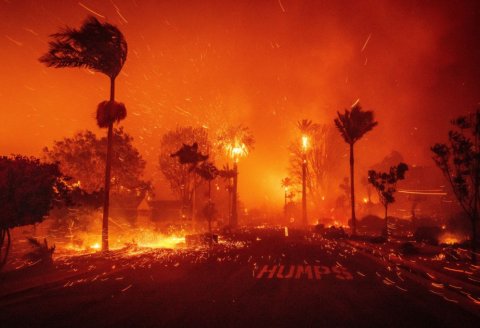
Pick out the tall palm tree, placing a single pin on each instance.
(353, 124)
(305, 126)
(102, 48)
(236, 141)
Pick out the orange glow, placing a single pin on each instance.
(450, 239)
(236, 151)
(218, 63)
(95, 246)
(305, 143)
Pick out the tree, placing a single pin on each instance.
(385, 183)
(322, 162)
(102, 48)
(82, 157)
(182, 179)
(459, 162)
(208, 172)
(28, 190)
(236, 141)
(305, 127)
(353, 125)
(287, 184)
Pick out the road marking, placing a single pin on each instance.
(310, 272)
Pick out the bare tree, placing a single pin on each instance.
(386, 185)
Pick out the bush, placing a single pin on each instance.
(408, 248)
(428, 235)
(335, 233)
(41, 252)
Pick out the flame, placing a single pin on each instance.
(450, 239)
(365, 200)
(95, 246)
(236, 150)
(305, 142)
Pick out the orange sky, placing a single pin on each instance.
(266, 64)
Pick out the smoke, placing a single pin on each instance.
(267, 66)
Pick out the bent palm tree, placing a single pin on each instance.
(102, 48)
(353, 125)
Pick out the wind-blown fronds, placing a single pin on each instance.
(109, 112)
(97, 46)
(354, 123)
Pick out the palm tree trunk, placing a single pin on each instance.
(352, 190)
(3, 259)
(108, 168)
(234, 218)
(304, 190)
(386, 221)
(194, 201)
(474, 240)
(209, 218)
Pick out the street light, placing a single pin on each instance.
(305, 145)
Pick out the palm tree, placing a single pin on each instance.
(353, 125)
(305, 127)
(102, 48)
(286, 184)
(236, 141)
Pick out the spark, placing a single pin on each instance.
(31, 31)
(90, 10)
(449, 299)
(281, 5)
(473, 299)
(118, 11)
(366, 42)
(437, 285)
(126, 288)
(18, 43)
(423, 192)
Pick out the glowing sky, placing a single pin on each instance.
(266, 64)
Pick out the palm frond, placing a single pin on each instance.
(109, 112)
(354, 123)
(98, 46)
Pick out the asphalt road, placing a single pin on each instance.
(269, 281)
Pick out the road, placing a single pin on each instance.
(266, 280)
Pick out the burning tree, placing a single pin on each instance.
(28, 190)
(353, 125)
(82, 157)
(322, 161)
(183, 181)
(236, 142)
(459, 162)
(386, 183)
(102, 48)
